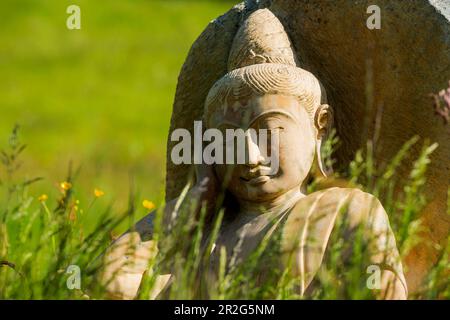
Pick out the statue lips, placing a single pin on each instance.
(259, 180)
(257, 176)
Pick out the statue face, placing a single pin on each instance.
(252, 181)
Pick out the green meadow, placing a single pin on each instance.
(100, 97)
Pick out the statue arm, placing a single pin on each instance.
(366, 211)
(124, 264)
(127, 259)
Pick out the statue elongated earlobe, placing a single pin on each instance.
(320, 170)
(323, 121)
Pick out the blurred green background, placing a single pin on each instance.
(100, 96)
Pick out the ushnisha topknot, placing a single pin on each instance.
(262, 61)
(261, 39)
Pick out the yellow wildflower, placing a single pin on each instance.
(148, 205)
(98, 193)
(65, 185)
(43, 198)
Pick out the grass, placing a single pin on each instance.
(42, 240)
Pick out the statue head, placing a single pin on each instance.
(265, 89)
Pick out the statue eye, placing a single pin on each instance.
(279, 128)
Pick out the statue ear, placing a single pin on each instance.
(323, 121)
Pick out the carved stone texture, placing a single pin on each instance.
(388, 72)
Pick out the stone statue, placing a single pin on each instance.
(265, 87)
(378, 81)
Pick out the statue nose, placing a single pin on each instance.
(254, 156)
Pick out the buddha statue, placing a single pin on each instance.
(266, 88)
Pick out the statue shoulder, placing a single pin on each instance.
(336, 198)
(317, 213)
(339, 192)
(362, 207)
(354, 203)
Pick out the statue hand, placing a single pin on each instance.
(124, 264)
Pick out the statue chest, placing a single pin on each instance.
(246, 238)
(302, 231)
